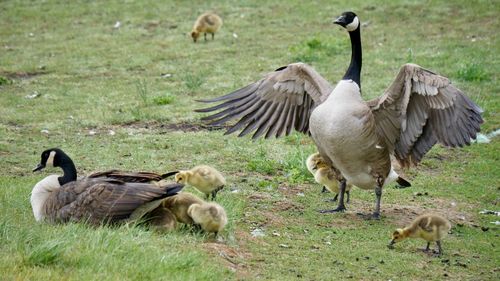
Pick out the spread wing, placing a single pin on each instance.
(280, 101)
(109, 200)
(422, 108)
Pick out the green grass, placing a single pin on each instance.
(91, 76)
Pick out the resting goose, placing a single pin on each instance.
(96, 198)
(356, 137)
(430, 227)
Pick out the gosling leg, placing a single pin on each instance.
(427, 248)
(334, 199)
(205, 35)
(213, 34)
(439, 248)
(324, 190)
(341, 205)
(348, 196)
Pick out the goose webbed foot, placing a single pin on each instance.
(339, 209)
(372, 216)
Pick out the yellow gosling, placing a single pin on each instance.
(430, 227)
(204, 178)
(208, 22)
(210, 216)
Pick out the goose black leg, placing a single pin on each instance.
(378, 193)
(348, 196)
(376, 214)
(340, 206)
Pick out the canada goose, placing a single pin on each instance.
(204, 178)
(208, 22)
(356, 137)
(93, 199)
(210, 216)
(179, 205)
(311, 166)
(429, 227)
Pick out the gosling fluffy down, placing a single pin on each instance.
(208, 22)
(430, 227)
(326, 176)
(204, 178)
(210, 216)
(179, 204)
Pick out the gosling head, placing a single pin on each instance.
(348, 20)
(52, 158)
(397, 235)
(181, 177)
(195, 34)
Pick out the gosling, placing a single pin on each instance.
(312, 165)
(211, 217)
(429, 227)
(208, 22)
(327, 177)
(204, 178)
(179, 204)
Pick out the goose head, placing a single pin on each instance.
(348, 20)
(398, 235)
(182, 177)
(53, 157)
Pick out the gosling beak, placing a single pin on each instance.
(391, 244)
(340, 21)
(39, 167)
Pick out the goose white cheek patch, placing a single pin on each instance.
(353, 25)
(50, 160)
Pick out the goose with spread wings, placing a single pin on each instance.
(356, 137)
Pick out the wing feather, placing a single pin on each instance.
(422, 108)
(281, 101)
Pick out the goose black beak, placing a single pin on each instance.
(39, 167)
(340, 21)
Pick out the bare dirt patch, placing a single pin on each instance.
(21, 74)
(170, 127)
(233, 257)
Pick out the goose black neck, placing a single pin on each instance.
(354, 70)
(68, 168)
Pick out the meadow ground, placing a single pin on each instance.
(124, 98)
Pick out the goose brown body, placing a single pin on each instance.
(94, 199)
